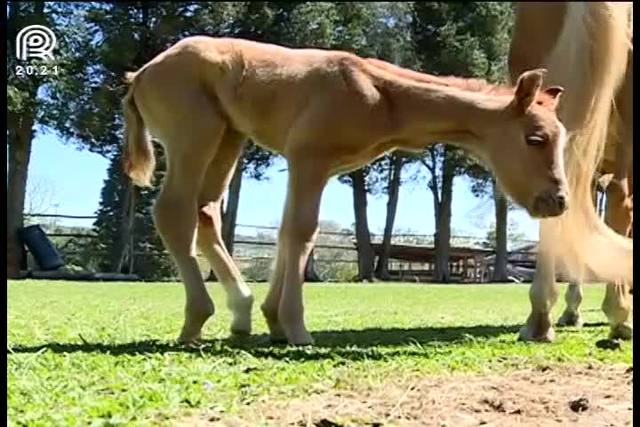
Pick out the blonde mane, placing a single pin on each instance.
(461, 83)
(591, 68)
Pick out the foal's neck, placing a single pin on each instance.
(434, 110)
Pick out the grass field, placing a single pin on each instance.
(103, 353)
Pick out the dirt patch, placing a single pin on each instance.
(549, 396)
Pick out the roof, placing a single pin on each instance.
(415, 253)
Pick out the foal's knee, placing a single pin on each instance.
(209, 226)
(209, 215)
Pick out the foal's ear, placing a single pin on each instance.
(554, 92)
(527, 88)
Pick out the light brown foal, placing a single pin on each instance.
(326, 112)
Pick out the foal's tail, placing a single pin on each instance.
(590, 60)
(138, 158)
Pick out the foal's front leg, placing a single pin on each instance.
(543, 295)
(283, 308)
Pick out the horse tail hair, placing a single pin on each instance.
(138, 157)
(589, 60)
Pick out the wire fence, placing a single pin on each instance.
(334, 254)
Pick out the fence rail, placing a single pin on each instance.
(248, 255)
(37, 215)
(276, 228)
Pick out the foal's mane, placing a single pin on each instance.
(461, 83)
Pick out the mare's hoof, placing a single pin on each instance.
(536, 336)
(623, 332)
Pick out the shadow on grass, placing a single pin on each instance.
(370, 344)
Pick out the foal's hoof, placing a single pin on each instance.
(189, 340)
(278, 338)
(300, 338)
(570, 318)
(276, 333)
(526, 334)
(241, 324)
(195, 318)
(623, 332)
(240, 332)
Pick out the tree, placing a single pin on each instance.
(484, 185)
(366, 255)
(230, 213)
(126, 238)
(514, 236)
(501, 209)
(393, 190)
(39, 195)
(29, 98)
(463, 39)
(444, 163)
(381, 30)
(253, 163)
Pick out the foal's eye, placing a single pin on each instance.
(535, 140)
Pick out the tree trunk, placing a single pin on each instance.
(382, 268)
(231, 213)
(127, 215)
(441, 271)
(366, 256)
(501, 205)
(19, 141)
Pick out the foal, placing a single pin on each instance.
(326, 112)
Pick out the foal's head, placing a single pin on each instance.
(525, 147)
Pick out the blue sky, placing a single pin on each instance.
(74, 179)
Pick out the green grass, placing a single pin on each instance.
(103, 354)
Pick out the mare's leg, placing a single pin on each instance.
(543, 294)
(617, 303)
(283, 307)
(210, 242)
(573, 297)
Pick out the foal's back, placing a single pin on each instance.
(261, 89)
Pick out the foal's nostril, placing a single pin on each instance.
(551, 203)
(561, 201)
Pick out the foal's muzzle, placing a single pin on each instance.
(550, 203)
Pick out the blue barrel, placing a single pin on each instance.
(41, 247)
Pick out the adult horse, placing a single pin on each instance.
(326, 112)
(586, 47)
(618, 168)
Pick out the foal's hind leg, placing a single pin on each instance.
(176, 214)
(219, 172)
(271, 302)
